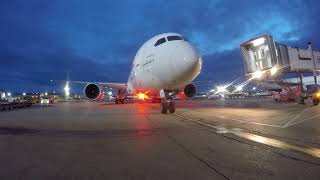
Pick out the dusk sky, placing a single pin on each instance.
(97, 40)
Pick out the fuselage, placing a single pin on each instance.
(167, 61)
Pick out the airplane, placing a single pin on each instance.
(163, 67)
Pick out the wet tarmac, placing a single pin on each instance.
(204, 139)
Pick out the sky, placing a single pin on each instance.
(97, 40)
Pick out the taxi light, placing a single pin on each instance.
(142, 96)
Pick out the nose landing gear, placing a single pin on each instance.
(167, 102)
(120, 97)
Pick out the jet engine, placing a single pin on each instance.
(92, 91)
(190, 90)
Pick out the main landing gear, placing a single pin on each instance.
(167, 102)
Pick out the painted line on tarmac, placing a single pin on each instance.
(257, 138)
(251, 122)
(298, 122)
(278, 144)
(296, 117)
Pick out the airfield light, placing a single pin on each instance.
(254, 88)
(239, 88)
(9, 94)
(46, 94)
(110, 93)
(24, 94)
(257, 75)
(67, 89)
(221, 89)
(258, 42)
(274, 70)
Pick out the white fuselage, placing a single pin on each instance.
(166, 61)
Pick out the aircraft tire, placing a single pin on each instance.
(164, 107)
(172, 107)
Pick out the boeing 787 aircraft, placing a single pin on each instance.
(164, 66)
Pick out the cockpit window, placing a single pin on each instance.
(174, 38)
(160, 41)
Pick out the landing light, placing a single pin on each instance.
(142, 96)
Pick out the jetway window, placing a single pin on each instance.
(160, 41)
(257, 55)
(174, 38)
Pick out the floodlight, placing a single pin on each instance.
(274, 70)
(258, 74)
(258, 42)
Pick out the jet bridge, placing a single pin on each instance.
(263, 56)
(262, 53)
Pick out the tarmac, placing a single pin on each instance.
(204, 139)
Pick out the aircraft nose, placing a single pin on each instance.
(186, 60)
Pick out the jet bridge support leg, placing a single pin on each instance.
(301, 98)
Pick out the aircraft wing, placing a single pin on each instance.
(121, 86)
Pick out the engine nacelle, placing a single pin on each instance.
(190, 90)
(92, 91)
